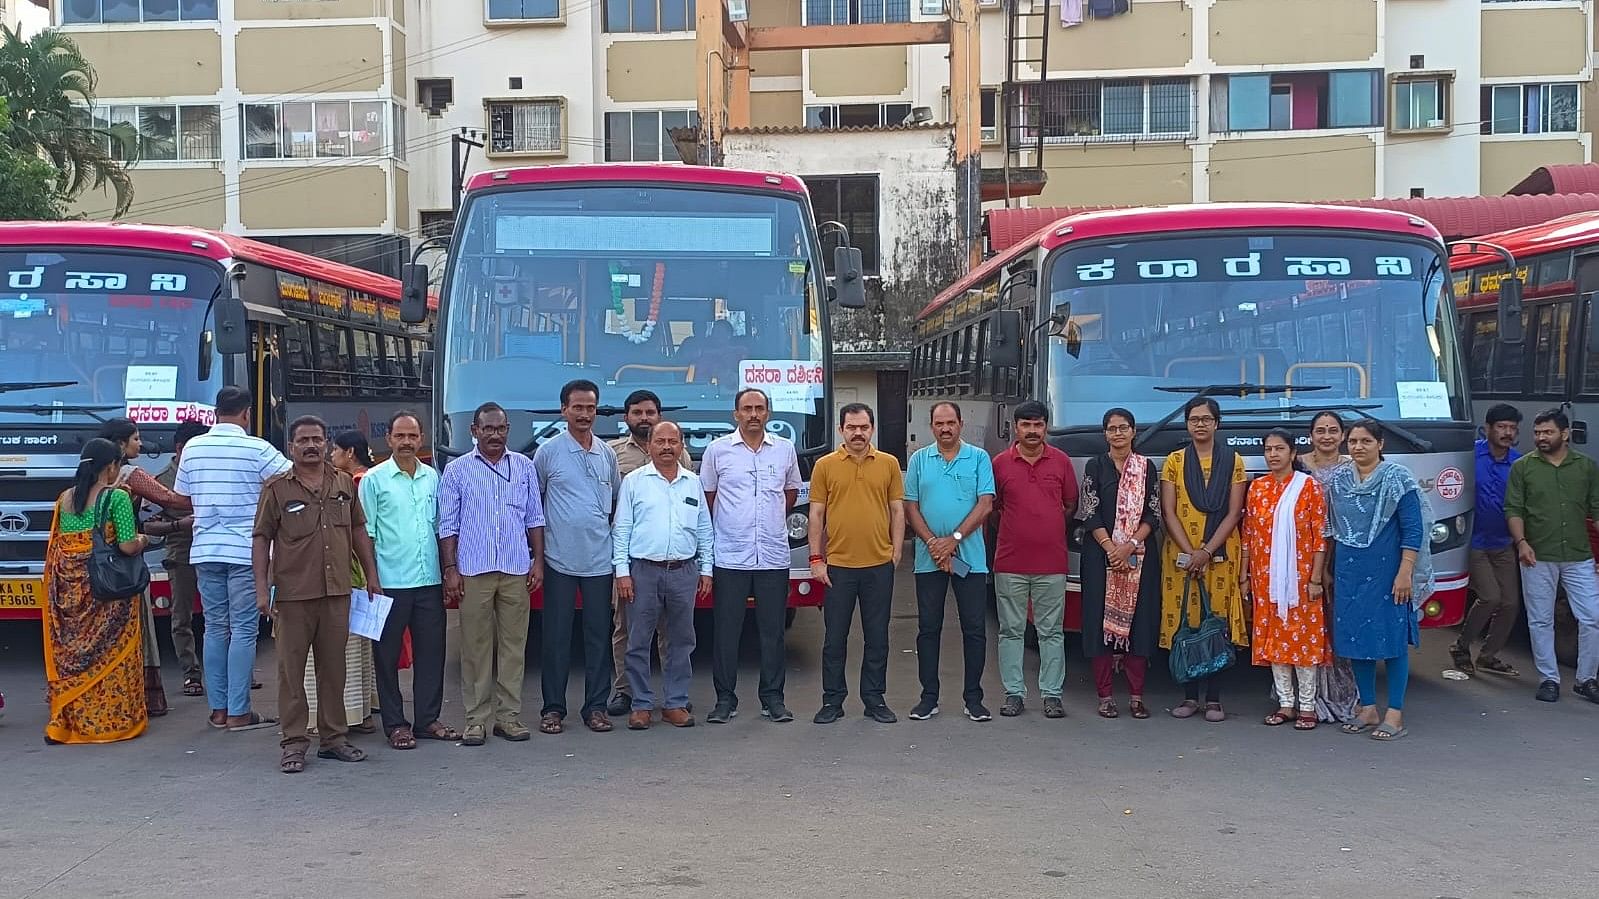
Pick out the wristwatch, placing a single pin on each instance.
(958, 536)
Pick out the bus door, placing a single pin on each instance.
(267, 385)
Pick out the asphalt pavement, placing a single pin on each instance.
(1491, 795)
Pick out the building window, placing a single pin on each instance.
(1421, 103)
(856, 115)
(522, 10)
(321, 129)
(1113, 110)
(856, 12)
(644, 135)
(1529, 109)
(988, 114)
(82, 12)
(435, 223)
(1296, 101)
(435, 95)
(850, 200)
(646, 16)
(165, 133)
(526, 126)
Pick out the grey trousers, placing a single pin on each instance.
(662, 599)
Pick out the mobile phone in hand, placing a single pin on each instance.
(958, 566)
(1183, 559)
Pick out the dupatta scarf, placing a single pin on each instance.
(1361, 509)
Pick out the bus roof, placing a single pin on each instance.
(195, 242)
(625, 173)
(1111, 223)
(1564, 233)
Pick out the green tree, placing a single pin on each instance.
(49, 87)
(27, 184)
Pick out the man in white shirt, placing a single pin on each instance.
(222, 472)
(662, 538)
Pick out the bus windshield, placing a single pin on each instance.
(1346, 316)
(121, 330)
(688, 292)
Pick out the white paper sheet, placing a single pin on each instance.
(368, 612)
(150, 382)
(1423, 399)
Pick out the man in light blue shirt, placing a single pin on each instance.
(662, 551)
(949, 491)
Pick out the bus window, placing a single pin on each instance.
(1506, 376)
(364, 362)
(332, 361)
(1552, 335)
(1483, 328)
(297, 357)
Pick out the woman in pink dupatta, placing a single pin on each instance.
(1120, 506)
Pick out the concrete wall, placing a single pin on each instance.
(1446, 33)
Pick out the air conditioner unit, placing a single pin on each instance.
(1435, 123)
(932, 7)
(738, 10)
(987, 2)
(990, 135)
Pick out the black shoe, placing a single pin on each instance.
(978, 712)
(1013, 706)
(881, 714)
(723, 713)
(1461, 656)
(827, 714)
(1053, 707)
(778, 713)
(1548, 691)
(924, 710)
(1588, 689)
(621, 705)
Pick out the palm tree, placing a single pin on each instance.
(49, 87)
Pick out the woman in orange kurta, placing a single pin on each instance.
(1285, 516)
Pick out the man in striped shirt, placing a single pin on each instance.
(222, 472)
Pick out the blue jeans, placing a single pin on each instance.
(1538, 586)
(227, 594)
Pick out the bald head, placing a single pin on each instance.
(666, 444)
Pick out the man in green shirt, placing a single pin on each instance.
(1551, 495)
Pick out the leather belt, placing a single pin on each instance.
(668, 564)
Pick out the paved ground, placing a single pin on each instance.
(1492, 795)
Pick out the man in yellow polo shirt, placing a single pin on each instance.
(857, 499)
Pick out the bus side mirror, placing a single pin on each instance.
(849, 283)
(414, 293)
(1511, 330)
(232, 327)
(203, 364)
(1005, 339)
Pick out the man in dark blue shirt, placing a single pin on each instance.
(1495, 580)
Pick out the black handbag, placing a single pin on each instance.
(113, 576)
(1202, 651)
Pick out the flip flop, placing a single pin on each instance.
(256, 723)
(1357, 727)
(1387, 733)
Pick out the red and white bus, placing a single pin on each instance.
(101, 320)
(689, 281)
(1278, 310)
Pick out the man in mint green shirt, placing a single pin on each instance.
(401, 499)
(949, 491)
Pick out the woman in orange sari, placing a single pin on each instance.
(93, 657)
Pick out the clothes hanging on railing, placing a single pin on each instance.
(1105, 9)
(1071, 13)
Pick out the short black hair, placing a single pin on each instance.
(581, 384)
(1032, 410)
(233, 400)
(950, 403)
(1499, 412)
(1561, 419)
(486, 408)
(405, 413)
(1208, 402)
(306, 421)
(738, 398)
(855, 409)
(1117, 412)
(634, 398)
(188, 431)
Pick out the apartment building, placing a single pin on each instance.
(25, 16)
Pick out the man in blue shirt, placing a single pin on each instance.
(949, 491)
(1495, 578)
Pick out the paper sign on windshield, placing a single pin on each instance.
(1423, 399)
(793, 384)
(150, 382)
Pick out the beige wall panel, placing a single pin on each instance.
(860, 72)
(320, 9)
(397, 11)
(648, 71)
(1268, 32)
(1504, 163)
(777, 62)
(164, 197)
(777, 109)
(767, 13)
(1303, 169)
(1117, 175)
(286, 60)
(354, 196)
(153, 63)
(772, 13)
(402, 200)
(1533, 42)
(1154, 35)
(402, 82)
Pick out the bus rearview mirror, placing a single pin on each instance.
(1005, 339)
(232, 327)
(203, 364)
(414, 293)
(849, 282)
(1511, 330)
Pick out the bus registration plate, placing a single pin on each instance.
(21, 593)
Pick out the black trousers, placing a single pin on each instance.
(1212, 690)
(560, 613)
(971, 604)
(873, 589)
(422, 610)
(730, 593)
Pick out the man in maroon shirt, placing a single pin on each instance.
(1035, 496)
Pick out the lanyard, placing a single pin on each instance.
(496, 469)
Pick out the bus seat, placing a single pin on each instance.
(640, 371)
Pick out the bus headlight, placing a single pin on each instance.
(799, 527)
(1440, 533)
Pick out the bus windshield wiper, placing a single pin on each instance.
(1361, 409)
(9, 386)
(602, 410)
(1238, 390)
(41, 409)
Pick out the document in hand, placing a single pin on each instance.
(368, 611)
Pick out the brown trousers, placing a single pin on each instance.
(1496, 600)
(323, 624)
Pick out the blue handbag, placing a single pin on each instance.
(1204, 650)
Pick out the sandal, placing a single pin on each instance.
(1306, 721)
(1358, 726)
(293, 761)
(439, 731)
(1279, 718)
(550, 723)
(1387, 733)
(364, 727)
(1461, 657)
(1496, 665)
(193, 687)
(1140, 710)
(599, 722)
(1107, 709)
(219, 719)
(342, 752)
(402, 738)
(255, 722)
(1214, 713)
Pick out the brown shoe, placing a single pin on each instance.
(599, 722)
(678, 717)
(640, 720)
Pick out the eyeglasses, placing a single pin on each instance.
(1202, 420)
(1118, 429)
(494, 429)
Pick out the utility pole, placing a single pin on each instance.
(461, 144)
